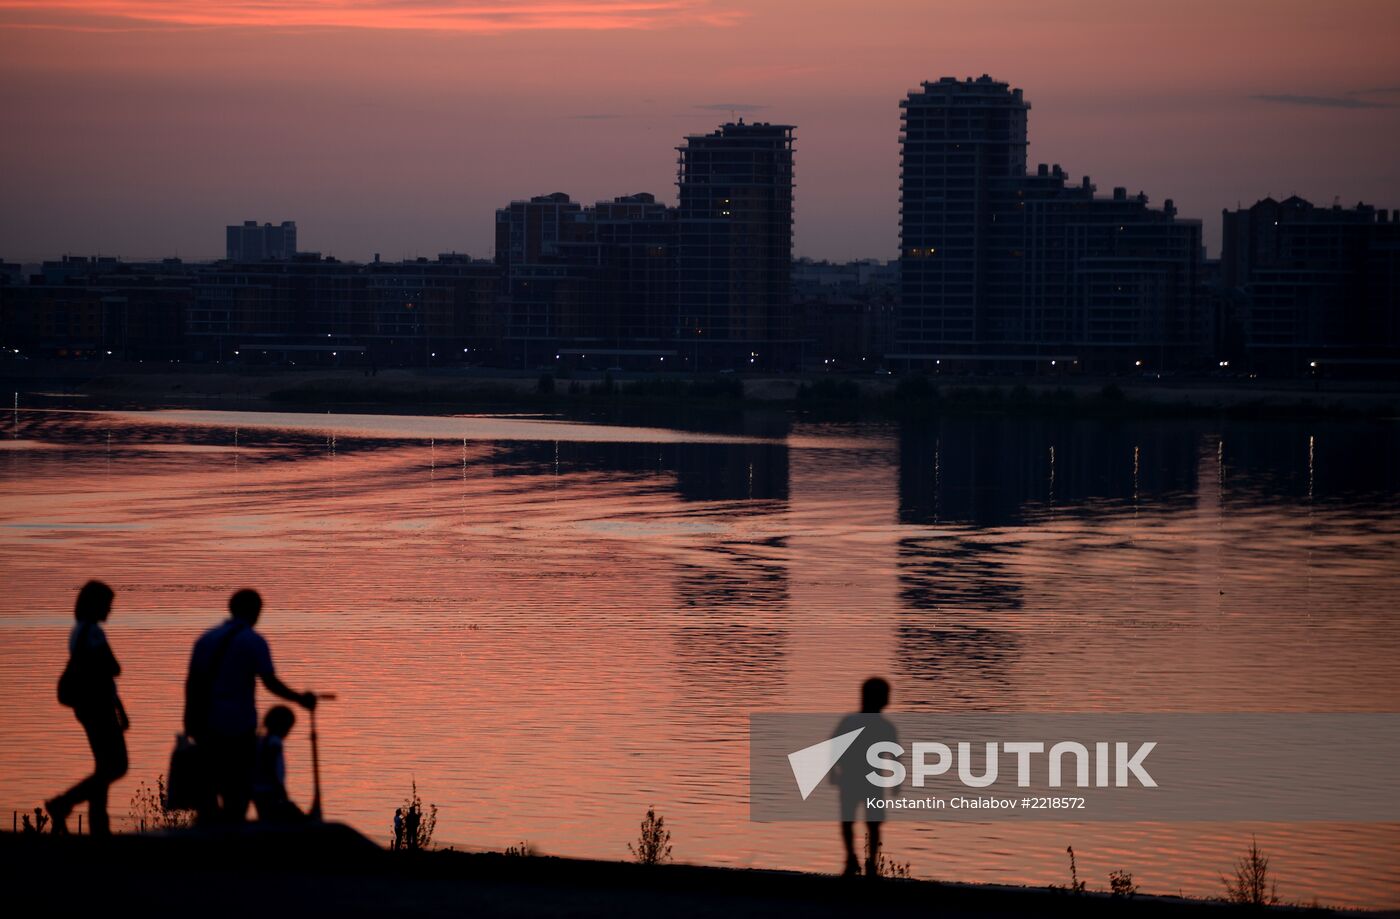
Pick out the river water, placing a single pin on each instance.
(551, 626)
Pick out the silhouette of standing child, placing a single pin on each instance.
(89, 685)
(270, 769)
(849, 773)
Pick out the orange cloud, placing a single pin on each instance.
(479, 16)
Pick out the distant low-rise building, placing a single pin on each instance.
(313, 310)
(303, 311)
(249, 242)
(97, 308)
(845, 311)
(588, 286)
(1313, 289)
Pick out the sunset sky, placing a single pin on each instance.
(141, 127)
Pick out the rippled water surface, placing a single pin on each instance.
(551, 626)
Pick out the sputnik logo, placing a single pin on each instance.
(811, 764)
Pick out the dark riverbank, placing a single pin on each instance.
(333, 871)
(822, 396)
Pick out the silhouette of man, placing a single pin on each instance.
(849, 773)
(220, 713)
(411, 828)
(398, 829)
(89, 685)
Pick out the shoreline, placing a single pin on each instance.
(329, 869)
(835, 397)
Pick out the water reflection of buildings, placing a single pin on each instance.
(961, 599)
(1000, 472)
(729, 636)
(701, 471)
(733, 635)
(733, 617)
(733, 601)
(736, 576)
(967, 601)
(947, 586)
(731, 595)
(1327, 462)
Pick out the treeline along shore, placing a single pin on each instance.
(827, 396)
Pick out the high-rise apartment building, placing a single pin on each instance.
(734, 268)
(962, 145)
(1002, 268)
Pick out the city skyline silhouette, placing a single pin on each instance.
(236, 116)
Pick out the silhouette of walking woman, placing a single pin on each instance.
(89, 686)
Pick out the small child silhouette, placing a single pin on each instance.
(270, 769)
(849, 773)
